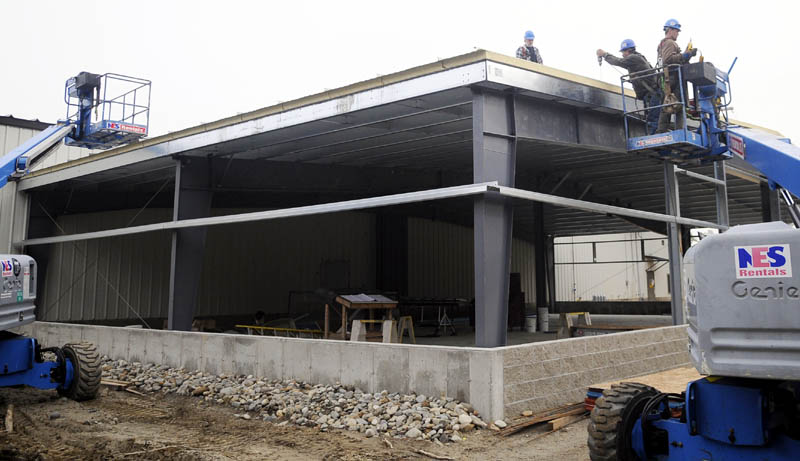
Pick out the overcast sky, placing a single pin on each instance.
(208, 60)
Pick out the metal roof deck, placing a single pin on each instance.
(420, 120)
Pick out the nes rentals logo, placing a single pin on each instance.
(763, 261)
(8, 268)
(736, 145)
(654, 141)
(127, 127)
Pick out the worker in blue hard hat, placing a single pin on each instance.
(669, 53)
(527, 51)
(645, 84)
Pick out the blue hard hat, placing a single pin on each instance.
(529, 35)
(627, 44)
(672, 24)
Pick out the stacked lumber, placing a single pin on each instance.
(119, 385)
(553, 419)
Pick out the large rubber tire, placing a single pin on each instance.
(605, 420)
(86, 371)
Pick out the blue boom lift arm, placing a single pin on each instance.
(714, 137)
(124, 118)
(121, 105)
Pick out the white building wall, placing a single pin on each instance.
(582, 275)
(441, 261)
(11, 137)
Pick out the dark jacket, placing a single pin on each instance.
(636, 62)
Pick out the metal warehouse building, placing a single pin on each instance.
(438, 181)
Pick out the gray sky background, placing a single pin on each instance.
(210, 60)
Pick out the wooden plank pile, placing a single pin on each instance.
(552, 420)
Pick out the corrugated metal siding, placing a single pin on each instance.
(11, 137)
(246, 267)
(441, 259)
(581, 282)
(251, 266)
(254, 266)
(6, 217)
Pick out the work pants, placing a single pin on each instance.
(653, 99)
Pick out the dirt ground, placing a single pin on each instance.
(123, 426)
(120, 425)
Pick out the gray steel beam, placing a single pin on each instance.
(193, 193)
(349, 205)
(721, 193)
(550, 260)
(673, 207)
(770, 204)
(540, 267)
(494, 159)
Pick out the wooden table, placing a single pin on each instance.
(355, 302)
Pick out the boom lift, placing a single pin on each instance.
(119, 119)
(742, 303)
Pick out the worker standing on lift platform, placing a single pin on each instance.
(670, 53)
(645, 87)
(527, 51)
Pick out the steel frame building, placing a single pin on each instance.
(500, 144)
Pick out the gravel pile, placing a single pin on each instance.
(322, 406)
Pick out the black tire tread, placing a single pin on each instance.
(606, 416)
(87, 372)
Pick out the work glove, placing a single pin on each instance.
(689, 54)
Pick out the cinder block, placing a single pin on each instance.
(154, 347)
(120, 344)
(90, 333)
(137, 345)
(245, 350)
(457, 380)
(171, 347)
(358, 365)
(326, 363)
(519, 355)
(211, 350)
(297, 359)
(514, 410)
(228, 355)
(269, 358)
(519, 392)
(390, 366)
(486, 383)
(552, 368)
(191, 351)
(427, 370)
(105, 342)
(523, 373)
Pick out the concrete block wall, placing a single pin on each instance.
(469, 374)
(500, 382)
(541, 376)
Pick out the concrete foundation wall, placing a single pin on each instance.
(499, 382)
(545, 375)
(469, 374)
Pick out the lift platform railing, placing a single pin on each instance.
(116, 112)
(702, 109)
(656, 74)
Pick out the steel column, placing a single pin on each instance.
(494, 159)
(539, 252)
(721, 193)
(673, 207)
(770, 204)
(550, 260)
(192, 200)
